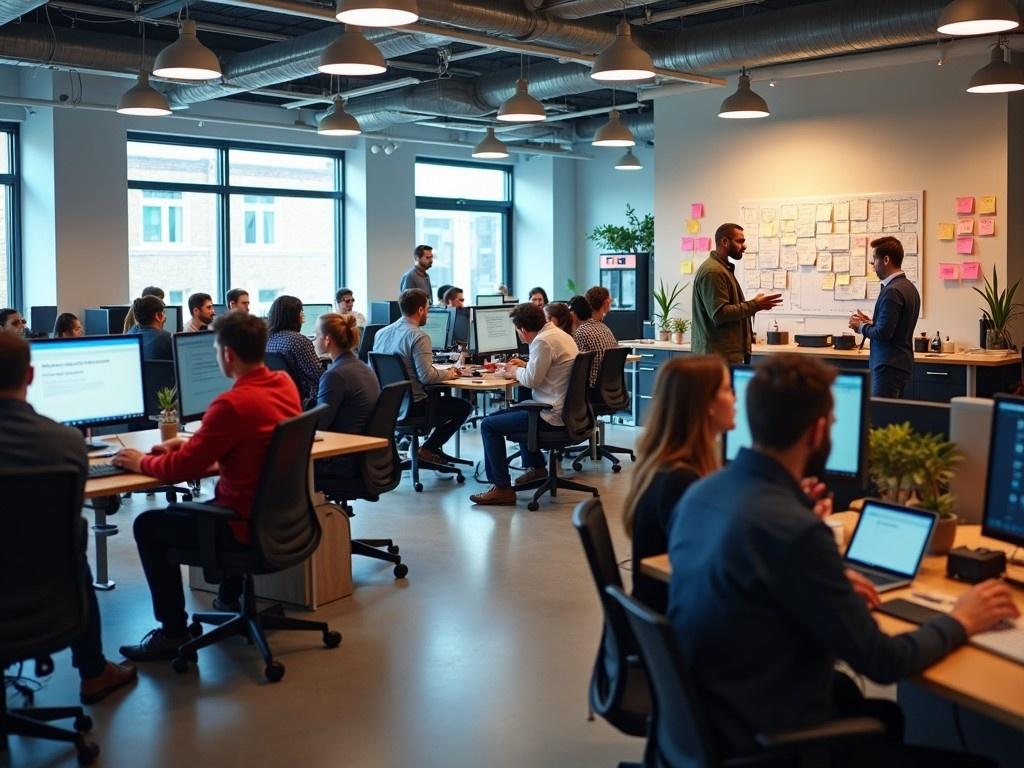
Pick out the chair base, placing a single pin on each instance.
(598, 450)
(33, 723)
(414, 464)
(552, 483)
(372, 548)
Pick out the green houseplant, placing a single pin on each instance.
(167, 401)
(637, 236)
(999, 310)
(666, 301)
(680, 325)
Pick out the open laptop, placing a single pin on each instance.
(888, 543)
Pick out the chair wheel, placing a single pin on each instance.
(616, 467)
(533, 506)
(332, 638)
(179, 664)
(401, 571)
(460, 478)
(577, 466)
(195, 629)
(418, 487)
(393, 549)
(83, 724)
(88, 752)
(274, 671)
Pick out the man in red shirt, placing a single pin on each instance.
(236, 435)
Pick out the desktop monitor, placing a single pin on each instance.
(42, 319)
(1003, 516)
(848, 458)
(88, 381)
(439, 326)
(510, 300)
(494, 332)
(462, 328)
(220, 309)
(173, 322)
(197, 373)
(312, 312)
(624, 323)
(490, 300)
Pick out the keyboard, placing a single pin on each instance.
(1007, 642)
(105, 469)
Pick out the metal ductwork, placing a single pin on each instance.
(12, 9)
(580, 9)
(439, 97)
(78, 49)
(642, 127)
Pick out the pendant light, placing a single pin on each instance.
(143, 100)
(629, 162)
(352, 55)
(522, 107)
(613, 133)
(744, 104)
(338, 122)
(978, 17)
(623, 59)
(377, 13)
(187, 58)
(490, 147)
(999, 75)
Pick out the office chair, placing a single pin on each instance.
(391, 369)
(380, 471)
(366, 342)
(43, 603)
(608, 397)
(619, 690)
(285, 532)
(680, 735)
(278, 361)
(578, 423)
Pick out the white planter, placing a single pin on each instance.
(677, 338)
(664, 335)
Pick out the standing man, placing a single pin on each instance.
(344, 301)
(721, 316)
(892, 331)
(201, 307)
(592, 335)
(417, 276)
(238, 298)
(149, 324)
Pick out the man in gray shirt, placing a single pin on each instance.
(417, 276)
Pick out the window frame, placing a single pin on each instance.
(11, 188)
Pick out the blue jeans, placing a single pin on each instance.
(492, 432)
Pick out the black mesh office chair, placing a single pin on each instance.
(679, 734)
(608, 397)
(285, 532)
(278, 361)
(578, 422)
(156, 375)
(619, 690)
(43, 603)
(391, 369)
(380, 471)
(366, 341)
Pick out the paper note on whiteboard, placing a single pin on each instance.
(841, 262)
(909, 240)
(858, 265)
(986, 227)
(858, 288)
(947, 231)
(859, 210)
(965, 246)
(789, 212)
(949, 271)
(987, 204)
(908, 211)
(910, 268)
(890, 214)
(790, 259)
(828, 282)
(965, 205)
(766, 280)
(970, 270)
(779, 279)
(824, 212)
(824, 261)
(805, 251)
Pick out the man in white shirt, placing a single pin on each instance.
(344, 301)
(552, 352)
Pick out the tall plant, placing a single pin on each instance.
(666, 301)
(637, 236)
(1000, 308)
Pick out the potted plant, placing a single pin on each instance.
(680, 326)
(999, 310)
(666, 301)
(636, 237)
(167, 401)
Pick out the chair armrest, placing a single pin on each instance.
(834, 730)
(204, 510)
(207, 516)
(530, 405)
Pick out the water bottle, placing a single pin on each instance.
(937, 343)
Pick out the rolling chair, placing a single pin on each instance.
(680, 735)
(608, 397)
(380, 471)
(43, 603)
(578, 423)
(285, 532)
(619, 689)
(390, 369)
(366, 342)
(278, 361)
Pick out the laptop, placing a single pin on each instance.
(888, 543)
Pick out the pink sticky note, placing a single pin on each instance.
(687, 243)
(696, 210)
(965, 227)
(986, 227)
(949, 271)
(965, 205)
(965, 246)
(970, 270)
(702, 243)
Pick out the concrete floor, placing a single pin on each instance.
(481, 657)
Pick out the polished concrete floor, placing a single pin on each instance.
(480, 658)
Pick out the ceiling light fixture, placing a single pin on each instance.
(378, 13)
(629, 162)
(522, 107)
(623, 59)
(744, 104)
(978, 17)
(999, 75)
(338, 122)
(613, 133)
(143, 100)
(352, 55)
(490, 147)
(187, 58)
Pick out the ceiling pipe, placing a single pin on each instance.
(13, 9)
(581, 9)
(693, 9)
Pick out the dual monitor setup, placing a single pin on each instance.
(484, 330)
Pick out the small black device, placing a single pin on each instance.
(844, 341)
(814, 339)
(975, 565)
(908, 611)
(778, 337)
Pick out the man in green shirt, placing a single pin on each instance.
(721, 316)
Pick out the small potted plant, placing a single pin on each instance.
(666, 301)
(680, 325)
(999, 310)
(167, 400)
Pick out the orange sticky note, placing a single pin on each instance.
(987, 204)
(947, 231)
(692, 226)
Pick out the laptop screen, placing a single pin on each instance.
(890, 538)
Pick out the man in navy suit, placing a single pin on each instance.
(892, 330)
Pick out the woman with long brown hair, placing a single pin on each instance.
(693, 405)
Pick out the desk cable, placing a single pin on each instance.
(26, 686)
(959, 727)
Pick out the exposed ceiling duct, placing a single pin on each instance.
(580, 9)
(12, 9)
(641, 126)
(79, 49)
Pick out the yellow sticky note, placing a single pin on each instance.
(686, 267)
(828, 282)
(843, 279)
(987, 204)
(947, 231)
(872, 277)
(692, 226)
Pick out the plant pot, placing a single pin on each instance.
(995, 339)
(677, 338)
(943, 535)
(168, 430)
(664, 335)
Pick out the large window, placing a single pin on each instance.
(208, 216)
(10, 284)
(464, 211)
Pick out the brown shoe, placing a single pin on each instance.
(426, 454)
(536, 473)
(109, 680)
(495, 495)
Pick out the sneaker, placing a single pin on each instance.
(535, 473)
(155, 646)
(227, 606)
(495, 495)
(109, 680)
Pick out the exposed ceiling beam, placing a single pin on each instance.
(693, 9)
(365, 90)
(113, 13)
(165, 8)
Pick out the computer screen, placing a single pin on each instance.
(88, 381)
(848, 457)
(197, 373)
(220, 309)
(172, 324)
(490, 300)
(439, 325)
(1003, 517)
(493, 330)
(890, 537)
(311, 312)
(462, 329)
(42, 319)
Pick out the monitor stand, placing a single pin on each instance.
(93, 444)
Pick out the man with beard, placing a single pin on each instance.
(721, 316)
(761, 603)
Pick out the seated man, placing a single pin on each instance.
(344, 301)
(149, 324)
(406, 337)
(30, 440)
(200, 307)
(552, 352)
(235, 434)
(759, 598)
(592, 335)
(454, 297)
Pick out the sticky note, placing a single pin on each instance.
(828, 282)
(965, 227)
(987, 204)
(965, 246)
(949, 271)
(947, 231)
(702, 243)
(687, 243)
(767, 280)
(696, 210)
(843, 279)
(986, 227)
(686, 267)
(768, 229)
(970, 270)
(692, 226)
(965, 205)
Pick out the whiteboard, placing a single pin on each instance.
(816, 251)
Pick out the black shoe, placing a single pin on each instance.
(155, 646)
(227, 606)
